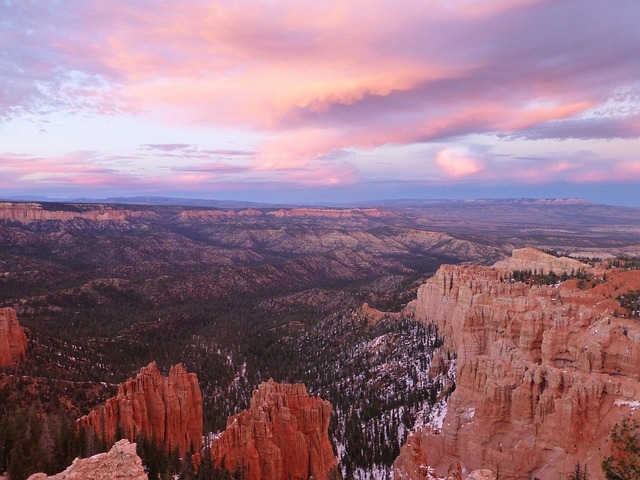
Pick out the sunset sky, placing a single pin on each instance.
(331, 101)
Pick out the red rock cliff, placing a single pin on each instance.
(542, 374)
(13, 341)
(166, 408)
(283, 435)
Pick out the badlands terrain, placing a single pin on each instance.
(274, 342)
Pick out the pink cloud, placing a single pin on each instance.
(318, 78)
(628, 170)
(456, 162)
(559, 168)
(76, 168)
(294, 149)
(91, 170)
(165, 147)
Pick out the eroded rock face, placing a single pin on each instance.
(482, 474)
(13, 341)
(168, 409)
(329, 212)
(283, 435)
(32, 212)
(533, 259)
(120, 462)
(543, 373)
(210, 214)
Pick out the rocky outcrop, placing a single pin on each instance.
(211, 214)
(203, 215)
(168, 409)
(121, 462)
(372, 315)
(13, 341)
(533, 259)
(329, 212)
(482, 474)
(31, 212)
(543, 372)
(283, 435)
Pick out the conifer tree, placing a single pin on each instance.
(624, 463)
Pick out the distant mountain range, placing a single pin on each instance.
(388, 203)
(151, 200)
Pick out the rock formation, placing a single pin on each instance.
(372, 315)
(532, 259)
(214, 214)
(482, 474)
(168, 409)
(121, 462)
(31, 212)
(329, 212)
(283, 435)
(543, 372)
(13, 341)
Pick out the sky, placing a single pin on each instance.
(333, 101)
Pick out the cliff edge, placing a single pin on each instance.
(543, 372)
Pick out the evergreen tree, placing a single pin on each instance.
(187, 471)
(579, 473)
(624, 463)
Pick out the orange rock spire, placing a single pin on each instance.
(13, 341)
(168, 409)
(283, 435)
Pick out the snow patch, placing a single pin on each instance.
(436, 417)
(632, 404)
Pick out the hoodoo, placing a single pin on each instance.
(543, 371)
(13, 341)
(168, 409)
(283, 435)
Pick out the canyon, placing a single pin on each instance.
(543, 371)
(312, 296)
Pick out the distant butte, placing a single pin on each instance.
(32, 212)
